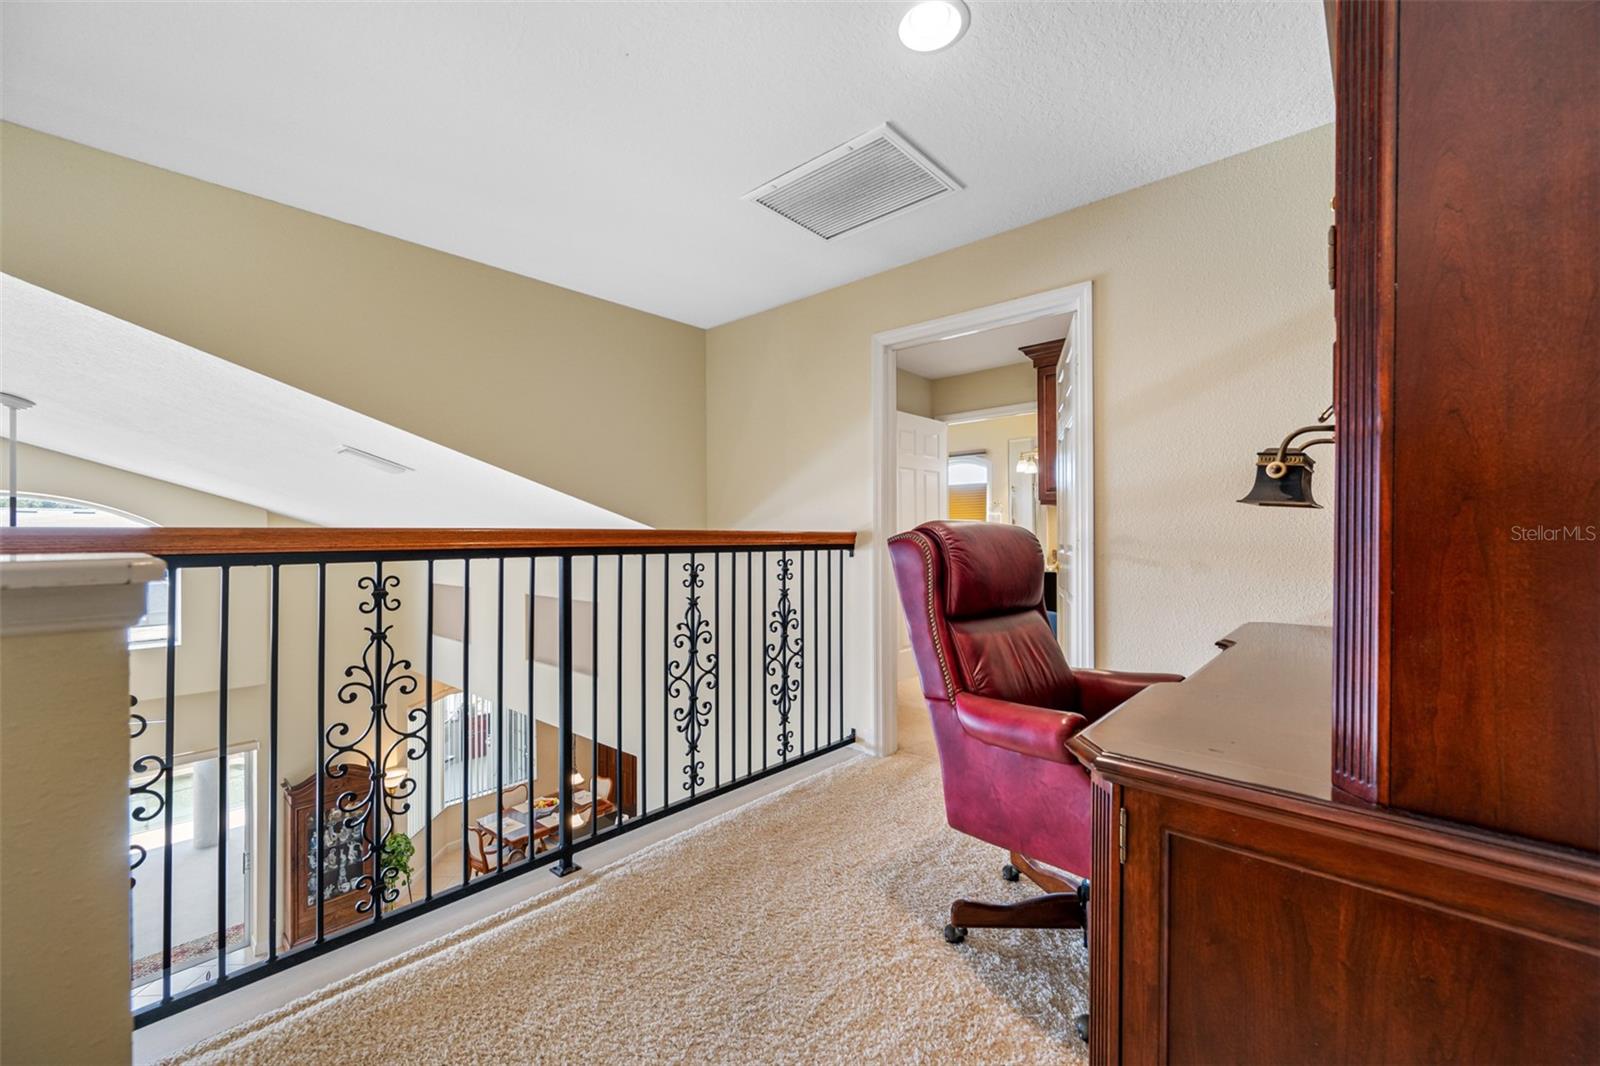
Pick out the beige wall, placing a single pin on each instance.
(1213, 327)
(63, 937)
(589, 397)
(980, 390)
(913, 394)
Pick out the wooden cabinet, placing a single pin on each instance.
(1239, 914)
(344, 851)
(1468, 407)
(1281, 932)
(1045, 357)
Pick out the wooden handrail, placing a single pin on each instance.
(174, 541)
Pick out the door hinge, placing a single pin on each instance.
(1122, 835)
(1333, 256)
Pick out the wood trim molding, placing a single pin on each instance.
(1045, 354)
(173, 541)
(1363, 385)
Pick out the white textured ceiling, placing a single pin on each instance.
(605, 147)
(982, 350)
(115, 393)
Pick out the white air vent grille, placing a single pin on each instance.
(873, 177)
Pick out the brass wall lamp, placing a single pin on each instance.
(1283, 474)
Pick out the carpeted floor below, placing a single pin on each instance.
(802, 928)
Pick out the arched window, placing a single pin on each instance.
(36, 510)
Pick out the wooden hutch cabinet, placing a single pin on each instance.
(1046, 357)
(346, 876)
(1380, 842)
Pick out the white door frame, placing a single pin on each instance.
(1077, 527)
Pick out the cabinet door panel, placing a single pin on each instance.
(1254, 940)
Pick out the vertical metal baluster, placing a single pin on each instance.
(317, 772)
(500, 719)
(427, 726)
(818, 678)
(272, 770)
(616, 761)
(716, 645)
(842, 646)
(172, 724)
(733, 667)
(800, 605)
(644, 685)
(829, 674)
(222, 783)
(466, 707)
(766, 737)
(666, 674)
(594, 694)
(533, 722)
(376, 802)
(749, 663)
(564, 864)
(691, 679)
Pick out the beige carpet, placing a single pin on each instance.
(802, 928)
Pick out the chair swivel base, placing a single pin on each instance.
(1053, 910)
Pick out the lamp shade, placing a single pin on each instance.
(1292, 488)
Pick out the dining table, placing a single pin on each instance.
(511, 824)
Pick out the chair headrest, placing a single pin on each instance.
(989, 568)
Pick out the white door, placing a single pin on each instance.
(921, 473)
(1070, 510)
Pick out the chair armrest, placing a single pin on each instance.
(1020, 727)
(1100, 691)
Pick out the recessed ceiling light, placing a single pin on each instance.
(934, 24)
(388, 466)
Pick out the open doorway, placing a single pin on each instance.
(987, 416)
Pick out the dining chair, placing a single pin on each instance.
(483, 850)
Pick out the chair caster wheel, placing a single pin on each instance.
(1081, 1024)
(955, 934)
(1010, 873)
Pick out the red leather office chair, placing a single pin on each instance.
(1003, 702)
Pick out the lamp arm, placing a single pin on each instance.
(1284, 447)
(1277, 468)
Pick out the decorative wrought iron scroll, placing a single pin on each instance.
(147, 802)
(695, 672)
(784, 658)
(380, 674)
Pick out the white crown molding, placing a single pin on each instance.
(71, 593)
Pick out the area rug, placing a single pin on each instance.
(804, 927)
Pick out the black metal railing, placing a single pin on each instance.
(400, 718)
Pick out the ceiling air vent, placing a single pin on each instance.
(874, 177)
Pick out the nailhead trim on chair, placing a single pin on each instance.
(933, 624)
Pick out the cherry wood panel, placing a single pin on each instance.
(197, 540)
(1254, 936)
(1494, 715)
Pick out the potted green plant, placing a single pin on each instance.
(395, 861)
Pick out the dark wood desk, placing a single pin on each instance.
(1239, 914)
